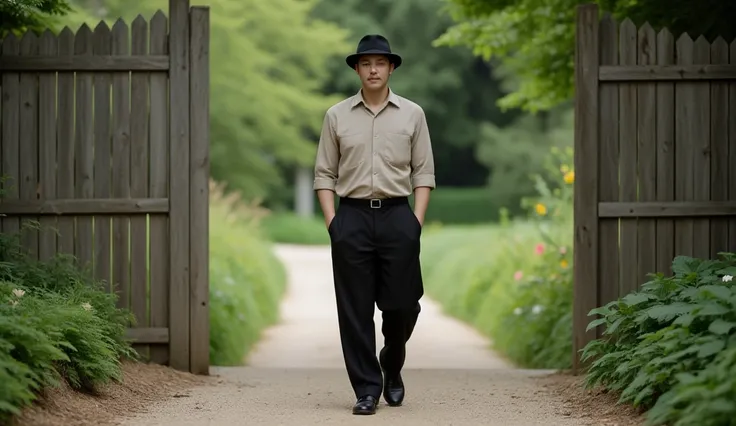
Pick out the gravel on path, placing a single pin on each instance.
(296, 375)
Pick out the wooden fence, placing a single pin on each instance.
(105, 144)
(655, 156)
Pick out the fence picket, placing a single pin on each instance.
(103, 172)
(47, 146)
(719, 142)
(10, 132)
(139, 181)
(121, 166)
(665, 152)
(84, 147)
(28, 144)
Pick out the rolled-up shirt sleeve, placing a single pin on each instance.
(422, 159)
(328, 156)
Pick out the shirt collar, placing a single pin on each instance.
(358, 99)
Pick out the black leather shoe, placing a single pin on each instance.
(365, 405)
(393, 386)
(393, 390)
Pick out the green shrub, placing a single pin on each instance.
(56, 323)
(671, 346)
(513, 281)
(246, 279)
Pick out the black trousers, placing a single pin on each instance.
(375, 261)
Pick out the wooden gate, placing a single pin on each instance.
(105, 140)
(655, 156)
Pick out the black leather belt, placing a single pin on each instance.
(374, 203)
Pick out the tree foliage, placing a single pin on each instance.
(534, 40)
(21, 15)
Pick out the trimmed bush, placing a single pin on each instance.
(247, 281)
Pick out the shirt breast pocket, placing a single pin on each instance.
(397, 148)
(352, 150)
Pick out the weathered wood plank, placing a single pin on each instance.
(28, 161)
(65, 143)
(94, 206)
(47, 147)
(121, 166)
(199, 114)
(719, 147)
(608, 167)
(667, 73)
(84, 63)
(103, 151)
(647, 154)
(665, 117)
(10, 134)
(84, 147)
(586, 187)
(143, 335)
(179, 182)
(158, 186)
(685, 143)
(669, 209)
(139, 183)
(732, 149)
(629, 278)
(702, 151)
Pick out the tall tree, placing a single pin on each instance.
(267, 62)
(34, 15)
(534, 39)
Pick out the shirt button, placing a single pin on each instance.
(375, 136)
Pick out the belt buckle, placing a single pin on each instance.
(375, 203)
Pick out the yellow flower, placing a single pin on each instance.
(563, 264)
(569, 177)
(541, 209)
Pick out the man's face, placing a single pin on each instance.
(374, 71)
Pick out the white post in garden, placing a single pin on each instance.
(303, 193)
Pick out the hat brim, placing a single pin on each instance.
(352, 60)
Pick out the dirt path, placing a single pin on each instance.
(296, 376)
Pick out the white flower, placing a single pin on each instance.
(537, 309)
(517, 311)
(13, 302)
(727, 278)
(18, 293)
(86, 306)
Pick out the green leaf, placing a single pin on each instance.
(713, 309)
(684, 320)
(595, 323)
(710, 348)
(664, 313)
(719, 291)
(721, 327)
(633, 299)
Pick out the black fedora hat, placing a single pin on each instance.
(373, 44)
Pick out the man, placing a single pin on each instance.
(374, 151)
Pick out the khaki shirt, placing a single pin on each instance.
(367, 155)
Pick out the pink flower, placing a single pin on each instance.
(539, 249)
(518, 275)
(563, 250)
